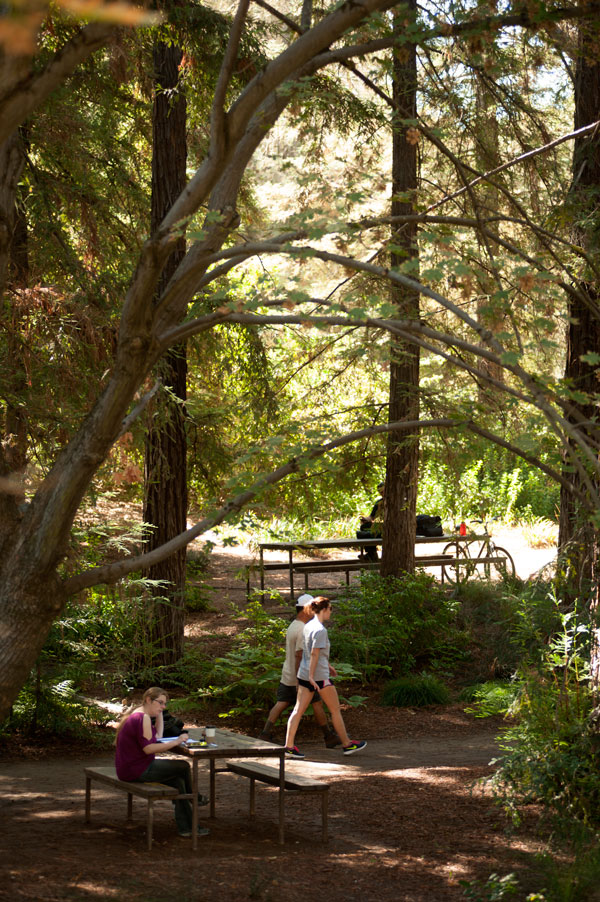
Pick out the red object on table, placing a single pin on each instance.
(462, 529)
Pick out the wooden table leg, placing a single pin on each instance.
(291, 554)
(212, 784)
(262, 574)
(88, 798)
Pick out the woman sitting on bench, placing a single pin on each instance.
(137, 745)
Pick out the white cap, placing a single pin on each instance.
(304, 599)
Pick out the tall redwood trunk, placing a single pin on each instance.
(165, 506)
(15, 425)
(578, 539)
(402, 460)
(12, 160)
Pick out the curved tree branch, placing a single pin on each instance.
(19, 99)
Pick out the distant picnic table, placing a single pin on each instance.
(449, 558)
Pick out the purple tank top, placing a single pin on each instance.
(130, 758)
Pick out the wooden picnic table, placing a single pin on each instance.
(303, 547)
(229, 745)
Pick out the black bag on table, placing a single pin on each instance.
(172, 726)
(429, 525)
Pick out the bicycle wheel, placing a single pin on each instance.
(505, 569)
(463, 568)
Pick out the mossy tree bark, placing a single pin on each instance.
(165, 477)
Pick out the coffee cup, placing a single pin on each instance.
(209, 732)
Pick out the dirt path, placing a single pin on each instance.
(408, 820)
(404, 825)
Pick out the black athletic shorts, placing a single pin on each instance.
(320, 683)
(288, 694)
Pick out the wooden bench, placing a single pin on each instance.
(270, 775)
(152, 792)
(350, 566)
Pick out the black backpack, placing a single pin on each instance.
(429, 525)
(172, 726)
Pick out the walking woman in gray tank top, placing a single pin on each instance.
(314, 673)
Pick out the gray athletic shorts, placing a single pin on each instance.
(288, 694)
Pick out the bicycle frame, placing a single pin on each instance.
(478, 551)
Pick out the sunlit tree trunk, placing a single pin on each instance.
(402, 459)
(165, 506)
(487, 155)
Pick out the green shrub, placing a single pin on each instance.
(388, 625)
(192, 670)
(415, 691)
(54, 709)
(198, 559)
(198, 597)
(509, 624)
(577, 879)
(494, 889)
(478, 483)
(105, 636)
(246, 678)
(490, 698)
(552, 752)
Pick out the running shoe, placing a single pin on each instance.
(354, 747)
(294, 752)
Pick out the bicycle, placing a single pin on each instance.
(477, 557)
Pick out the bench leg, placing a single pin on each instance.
(150, 824)
(281, 800)
(324, 812)
(129, 806)
(88, 799)
(252, 797)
